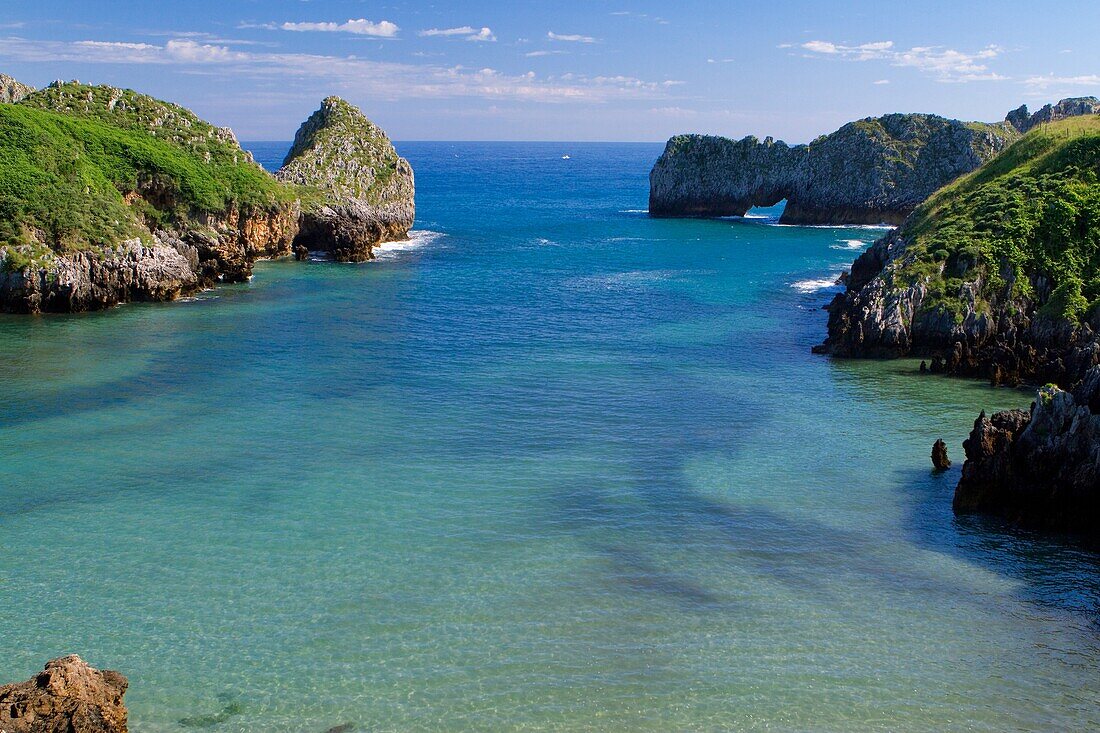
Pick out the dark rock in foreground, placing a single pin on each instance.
(364, 192)
(1038, 468)
(68, 696)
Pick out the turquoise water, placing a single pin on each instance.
(552, 466)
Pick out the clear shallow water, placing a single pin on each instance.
(555, 466)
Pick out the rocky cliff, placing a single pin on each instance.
(12, 90)
(68, 696)
(109, 196)
(1071, 107)
(1039, 468)
(997, 275)
(362, 191)
(871, 171)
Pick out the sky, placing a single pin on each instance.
(629, 70)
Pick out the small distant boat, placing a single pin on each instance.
(565, 157)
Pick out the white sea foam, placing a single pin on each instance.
(634, 211)
(816, 285)
(417, 238)
(850, 244)
(863, 227)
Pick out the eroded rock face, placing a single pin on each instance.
(68, 696)
(364, 192)
(871, 171)
(1071, 107)
(12, 90)
(1039, 468)
(175, 246)
(881, 315)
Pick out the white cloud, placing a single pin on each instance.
(201, 53)
(466, 32)
(945, 64)
(881, 81)
(1050, 80)
(360, 27)
(536, 54)
(570, 37)
(343, 74)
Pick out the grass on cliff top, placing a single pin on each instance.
(63, 178)
(1033, 211)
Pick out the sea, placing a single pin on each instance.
(549, 465)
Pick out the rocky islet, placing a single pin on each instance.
(178, 205)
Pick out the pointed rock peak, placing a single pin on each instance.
(12, 90)
(339, 151)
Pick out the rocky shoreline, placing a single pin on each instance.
(342, 190)
(993, 277)
(1039, 468)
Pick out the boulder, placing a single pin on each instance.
(939, 456)
(68, 696)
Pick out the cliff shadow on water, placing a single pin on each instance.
(1054, 571)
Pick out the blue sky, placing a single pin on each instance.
(630, 70)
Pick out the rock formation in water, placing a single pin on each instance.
(872, 171)
(994, 276)
(1039, 468)
(940, 461)
(109, 196)
(68, 696)
(363, 192)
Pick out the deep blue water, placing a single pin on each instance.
(550, 465)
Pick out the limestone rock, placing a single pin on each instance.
(938, 286)
(1071, 107)
(68, 696)
(12, 90)
(939, 456)
(872, 171)
(1039, 468)
(363, 192)
(172, 229)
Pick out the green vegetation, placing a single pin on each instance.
(1031, 212)
(343, 154)
(108, 165)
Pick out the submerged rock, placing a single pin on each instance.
(68, 696)
(939, 456)
(1039, 468)
(362, 191)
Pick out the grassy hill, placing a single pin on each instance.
(86, 167)
(1027, 224)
